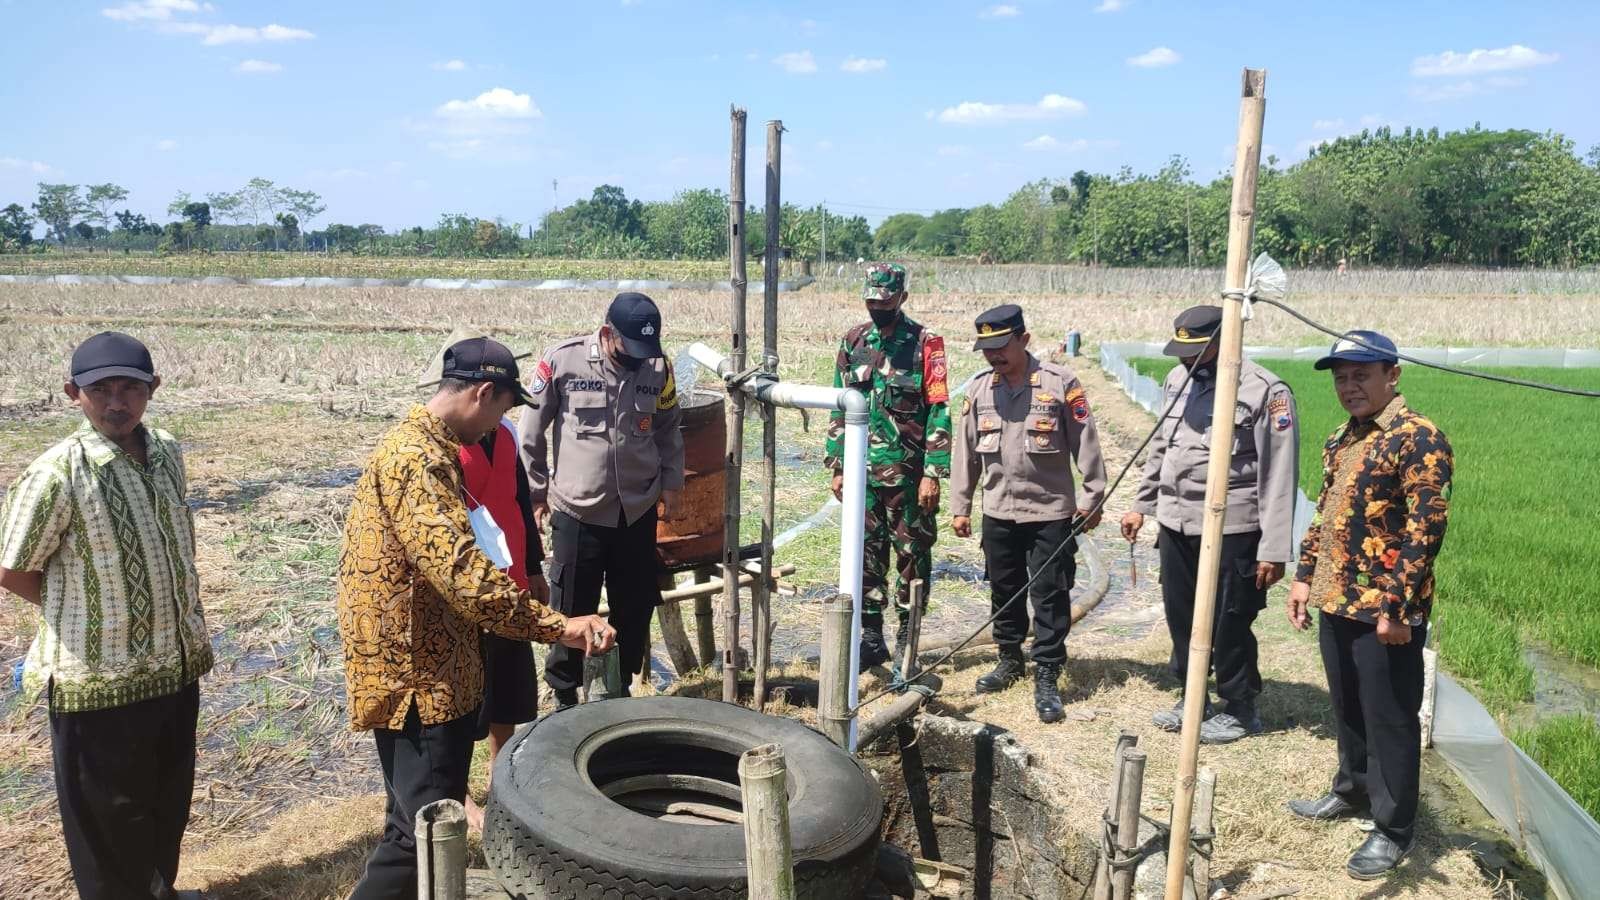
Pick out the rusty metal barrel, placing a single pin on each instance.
(694, 538)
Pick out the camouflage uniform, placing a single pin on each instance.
(905, 381)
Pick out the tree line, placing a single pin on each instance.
(1407, 198)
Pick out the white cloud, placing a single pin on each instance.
(1003, 11)
(258, 67)
(796, 63)
(856, 65)
(29, 165)
(1451, 64)
(1327, 125)
(1459, 90)
(1050, 106)
(1155, 58)
(496, 103)
(153, 10)
(1045, 142)
(450, 65)
(1042, 142)
(954, 150)
(166, 145)
(1111, 6)
(217, 35)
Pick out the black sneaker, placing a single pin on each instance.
(1172, 719)
(1046, 693)
(1227, 727)
(1005, 673)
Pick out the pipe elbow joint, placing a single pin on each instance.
(854, 404)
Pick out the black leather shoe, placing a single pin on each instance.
(1377, 857)
(1326, 808)
(1004, 674)
(1047, 693)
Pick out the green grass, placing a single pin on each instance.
(1515, 565)
(1567, 748)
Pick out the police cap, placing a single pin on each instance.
(1192, 330)
(996, 326)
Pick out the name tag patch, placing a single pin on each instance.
(586, 384)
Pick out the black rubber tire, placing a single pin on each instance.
(550, 832)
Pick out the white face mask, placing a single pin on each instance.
(491, 539)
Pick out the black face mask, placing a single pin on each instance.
(629, 362)
(883, 318)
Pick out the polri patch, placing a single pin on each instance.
(1278, 408)
(1078, 402)
(542, 373)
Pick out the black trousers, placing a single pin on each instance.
(1377, 693)
(124, 777)
(1012, 550)
(624, 559)
(421, 764)
(1233, 644)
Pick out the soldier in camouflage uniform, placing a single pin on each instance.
(900, 366)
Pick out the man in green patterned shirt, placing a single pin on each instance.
(97, 534)
(900, 367)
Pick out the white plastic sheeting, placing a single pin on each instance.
(1555, 832)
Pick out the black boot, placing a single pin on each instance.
(1046, 693)
(1004, 674)
(873, 651)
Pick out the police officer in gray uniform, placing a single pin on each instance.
(1023, 423)
(615, 451)
(1258, 530)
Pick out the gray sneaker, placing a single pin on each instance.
(1225, 728)
(1172, 719)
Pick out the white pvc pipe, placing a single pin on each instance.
(852, 521)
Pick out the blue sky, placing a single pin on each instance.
(399, 111)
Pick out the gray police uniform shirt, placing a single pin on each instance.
(615, 444)
(1017, 443)
(1265, 469)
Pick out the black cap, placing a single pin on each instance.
(1192, 330)
(637, 322)
(996, 326)
(1360, 347)
(111, 354)
(483, 359)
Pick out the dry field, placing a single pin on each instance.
(278, 393)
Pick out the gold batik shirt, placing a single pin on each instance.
(414, 589)
(1380, 519)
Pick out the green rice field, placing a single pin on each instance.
(1517, 573)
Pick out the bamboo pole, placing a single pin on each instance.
(768, 856)
(734, 464)
(1102, 876)
(1130, 790)
(705, 637)
(1246, 168)
(1205, 800)
(679, 649)
(908, 653)
(833, 678)
(441, 833)
(761, 593)
(705, 589)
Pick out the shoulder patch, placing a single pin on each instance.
(935, 373)
(542, 373)
(1078, 402)
(668, 397)
(1278, 410)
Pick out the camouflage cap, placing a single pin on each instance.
(884, 280)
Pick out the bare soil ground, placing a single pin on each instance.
(278, 394)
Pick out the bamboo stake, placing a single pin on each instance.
(768, 856)
(441, 833)
(1246, 168)
(1130, 790)
(734, 464)
(1205, 798)
(908, 653)
(833, 679)
(1102, 875)
(705, 637)
(761, 592)
(679, 649)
